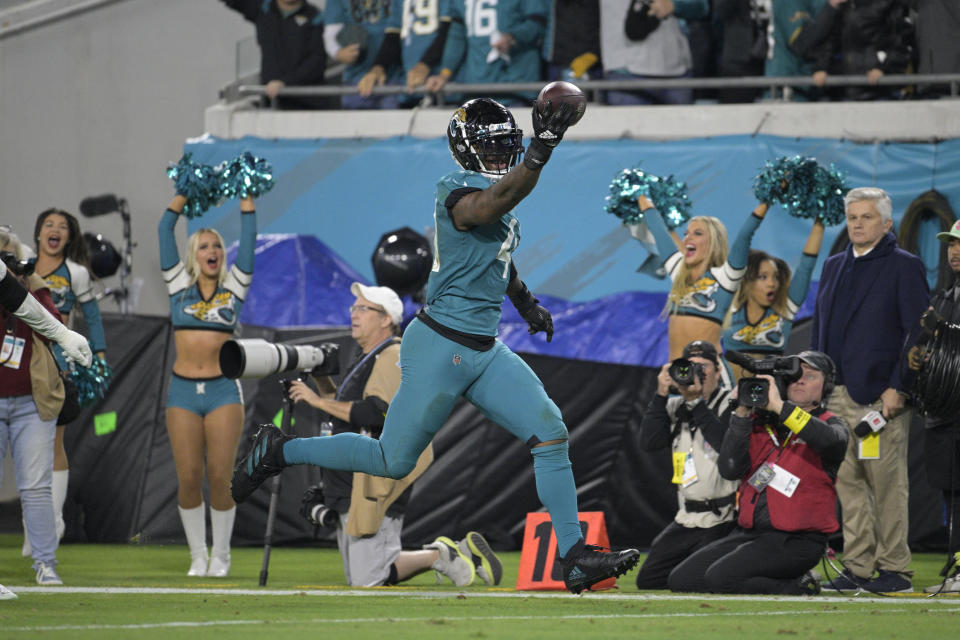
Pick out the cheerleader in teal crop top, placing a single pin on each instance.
(205, 409)
(63, 264)
(705, 273)
(768, 300)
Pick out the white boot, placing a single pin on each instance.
(59, 487)
(195, 526)
(222, 524)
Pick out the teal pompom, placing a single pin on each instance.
(91, 382)
(669, 196)
(803, 187)
(198, 183)
(246, 175)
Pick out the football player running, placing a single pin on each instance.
(450, 349)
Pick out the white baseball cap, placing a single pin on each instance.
(383, 296)
(946, 236)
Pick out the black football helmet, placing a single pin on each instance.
(485, 138)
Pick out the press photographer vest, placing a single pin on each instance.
(813, 505)
(338, 484)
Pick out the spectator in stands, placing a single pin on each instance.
(290, 35)
(938, 47)
(789, 52)
(644, 40)
(496, 41)
(205, 409)
(768, 299)
(743, 26)
(354, 34)
(786, 456)
(704, 277)
(416, 46)
(571, 46)
(63, 264)
(870, 298)
(31, 396)
(942, 433)
(367, 510)
(866, 37)
(690, 424)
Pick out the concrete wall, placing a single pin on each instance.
(101, 102)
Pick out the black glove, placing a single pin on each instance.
(548, 129)
(537, 317)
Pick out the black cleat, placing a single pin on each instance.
(593, 565)
(264, 459)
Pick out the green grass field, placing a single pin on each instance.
(131, 591)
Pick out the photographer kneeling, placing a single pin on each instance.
(786, 455)
(368, 510)
(691, 425)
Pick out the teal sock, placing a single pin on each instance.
(558, 492)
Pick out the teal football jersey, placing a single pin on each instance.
(471, 269)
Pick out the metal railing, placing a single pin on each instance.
(779, 87)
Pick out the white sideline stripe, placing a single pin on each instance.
(401, 592)
(394, 620)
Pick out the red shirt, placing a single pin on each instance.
(16, 382)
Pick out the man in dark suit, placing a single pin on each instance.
(870, 296)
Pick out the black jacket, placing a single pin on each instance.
(291, 48)
(858, 36)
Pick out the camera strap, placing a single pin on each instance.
(344, 384)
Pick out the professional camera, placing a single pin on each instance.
(19, 268)
(682, 371)
(312, 508)
(256, 358)
(754, 393)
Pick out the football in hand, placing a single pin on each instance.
(559, 92)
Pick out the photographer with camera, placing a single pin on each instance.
(785, 453)
(690, 424)
(31, 396)
(941, 441)
(366, 510)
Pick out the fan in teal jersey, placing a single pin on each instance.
(450, 349)
(493, 41)
(416, 44)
